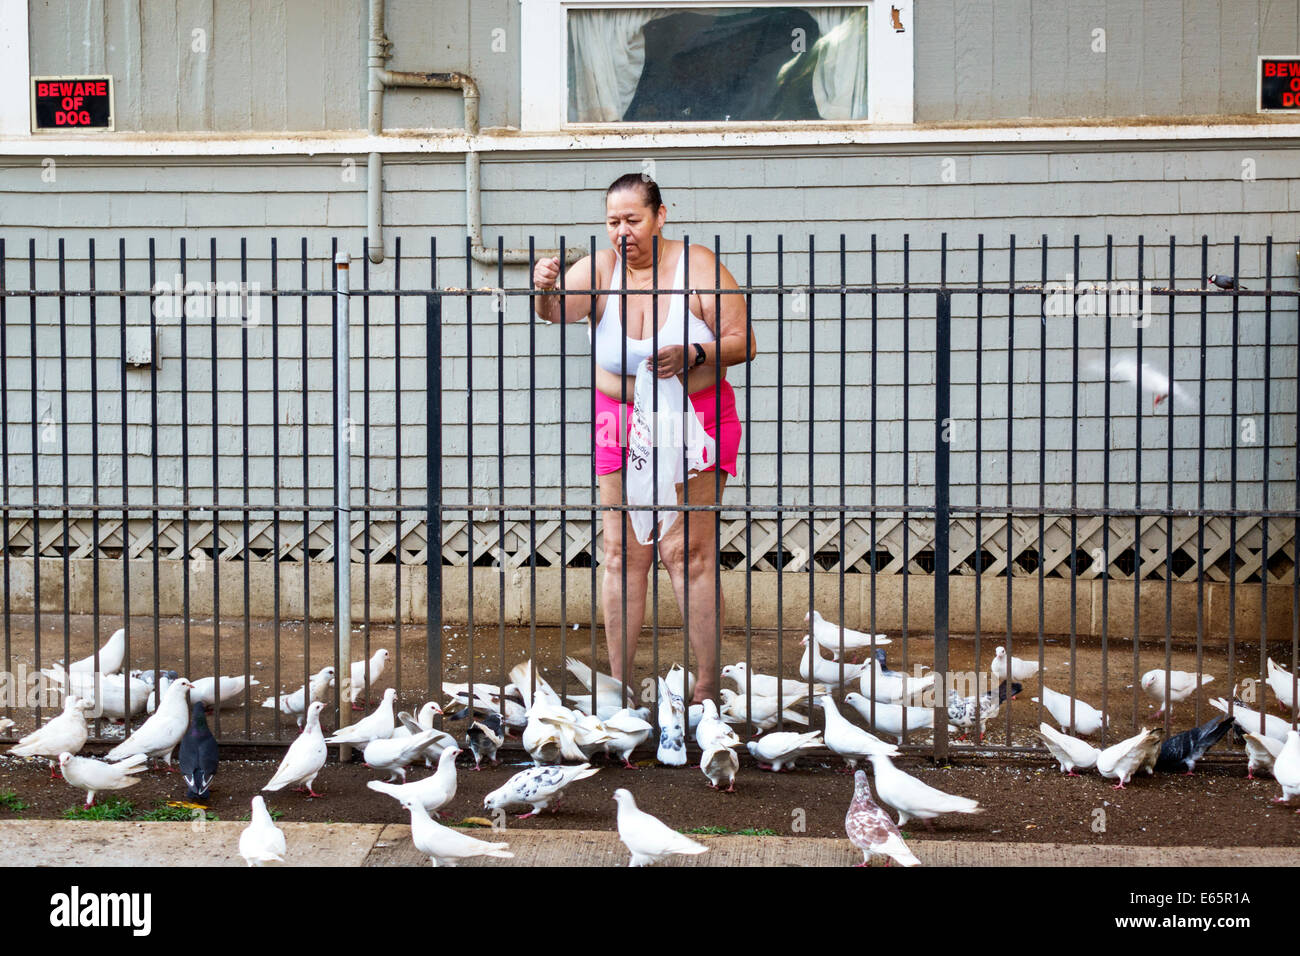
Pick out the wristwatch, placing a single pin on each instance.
(699, 355)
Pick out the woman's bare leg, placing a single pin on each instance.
(636, 559)
(693, 575)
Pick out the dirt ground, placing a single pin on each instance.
(1025, 799)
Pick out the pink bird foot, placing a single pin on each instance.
(1071, 773)
(525, 816)
(1118, 786)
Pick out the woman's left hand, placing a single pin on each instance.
(669, 361)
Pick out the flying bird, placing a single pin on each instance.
(871, 829)
(648, 838)
(1155, 382)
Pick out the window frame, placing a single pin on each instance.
(544, 77)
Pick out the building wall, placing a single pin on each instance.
(300, 64)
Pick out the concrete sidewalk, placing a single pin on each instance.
(107, 843)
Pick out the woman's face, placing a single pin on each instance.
(628, 217)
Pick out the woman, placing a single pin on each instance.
(716, 336)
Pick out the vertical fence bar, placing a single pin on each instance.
(1074, 493)
(780, 475)
(397, 464)
(596, 516)
(1232, 488)
(979, 454)
(716, 677)
(1169, 482)
(63, 458)
(907, 380)
(4, 455)
(1137, 503)
(1042, 462)
(942, 512)
(501, 474)
(871, 465)
(749, 472)
(365, 472)
(1105, 505)
(275, 492)
(248, 555)
(813, 651)
(433, 480)
(843, 417)
(304, 318)
(214, 312)
(94, 459)
(469, 469)
(153, 475)
(1011, 404)
(1200, 470)
(343, 496)
(126, 485)
(187, 504)
(36, 465)
(1264, 503)
(532, 489)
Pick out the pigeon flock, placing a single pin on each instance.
(563, 734)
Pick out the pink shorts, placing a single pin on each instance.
(613, 419)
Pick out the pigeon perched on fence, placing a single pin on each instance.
(871, 829)
(198, 755)
(1181, 751)
(648, 838)
(262, 842)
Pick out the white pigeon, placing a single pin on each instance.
(870, 829)
(765, 685)
(627, 731)
(827, 635)
(395, 754)
(913, 798)
(1182, 685)
(305, 756)
(1248, 719)
(712, 730)
(679, 682)
(1286, 769)
(609, 692)
(161, 734)
(766, 710)
(1124, 759)
(774, 751)
(96, 776)
(824, 670)
(376, 725)
(648, 838)
(297, 702)
(232, 688)
(106, 693)
(1088, 720)
(65, 733)
(1155, 382)
(357, 683)
(6, 725)
(850, 742)
(445, 846)
(889, 717)
(262, 842)
(433, 792)
(893, 688)
(1070, 752)
(1261, 753)
(672, 727)
(515, 716)
(536, 787)
(1020, 669)
(1282, 682)
(720, 763)
(111, 657)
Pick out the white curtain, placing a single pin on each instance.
(840, 76)
(606, 57)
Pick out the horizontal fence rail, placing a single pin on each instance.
(1084, 455)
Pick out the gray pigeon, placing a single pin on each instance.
(1181, 751)
(198, 755)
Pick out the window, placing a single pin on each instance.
(714, 63)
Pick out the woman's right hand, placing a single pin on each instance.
(546, 274)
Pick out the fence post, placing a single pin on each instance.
(433, 486)
(343, 498)
(942, 439)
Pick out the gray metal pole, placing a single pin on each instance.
(343, 495)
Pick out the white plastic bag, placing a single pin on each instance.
(668, 429)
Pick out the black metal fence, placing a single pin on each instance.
(825, 400)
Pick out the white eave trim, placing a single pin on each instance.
(455, 142)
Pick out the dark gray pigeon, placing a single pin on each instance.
(1181, 751)
(484, 736)
(198, 756)
(884, 668)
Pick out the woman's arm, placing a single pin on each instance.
(577, 279)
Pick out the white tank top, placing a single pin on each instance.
(609, 336)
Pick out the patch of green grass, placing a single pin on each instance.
(110, 810)
(725, 831)
(163, 813)
(247, 817)
(9, 801)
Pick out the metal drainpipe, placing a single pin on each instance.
(381, 79)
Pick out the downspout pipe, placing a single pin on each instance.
(381, 79)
